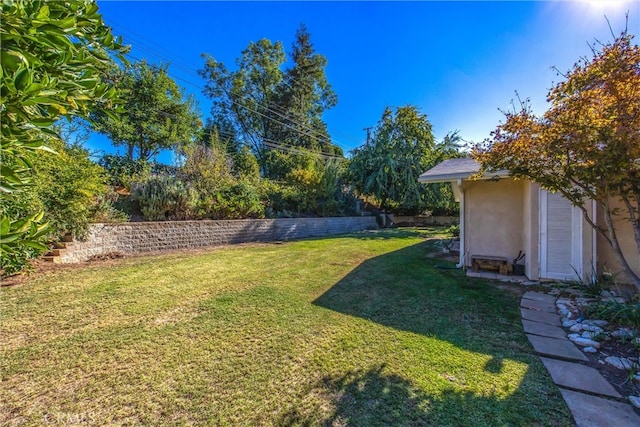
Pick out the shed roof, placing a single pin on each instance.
(453, 169)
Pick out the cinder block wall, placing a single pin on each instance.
(142, 237)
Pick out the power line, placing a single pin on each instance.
(191, 70)
(269, 142)
(246, 108)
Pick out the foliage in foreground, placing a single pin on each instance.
(586, 145)
(68, 188)
(359, 330)
(52, 57)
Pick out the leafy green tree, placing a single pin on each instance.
(52, 57)
(586, 146)
(155, 115)
(272, 110)
(304, 95)
(240, 96)
(387, 167)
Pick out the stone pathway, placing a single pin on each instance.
(589, 396)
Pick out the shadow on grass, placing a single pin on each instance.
(403, 290)
(373, 398)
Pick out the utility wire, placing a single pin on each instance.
(265, 140)
(191, 70)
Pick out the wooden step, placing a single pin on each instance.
(53, 259)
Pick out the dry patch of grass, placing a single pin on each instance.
(355, 330)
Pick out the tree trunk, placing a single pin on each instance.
(617, 251)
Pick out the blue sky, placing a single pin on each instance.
(458, 62)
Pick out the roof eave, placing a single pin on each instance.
(462, 176)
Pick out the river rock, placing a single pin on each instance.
(619, 362)
(635, 401)
(573, 337)
(589, 335)
(623, 333)
(569, 323)
(590, 349)
(592, 328)
(586, 342)
(596, 322)
(576, 328)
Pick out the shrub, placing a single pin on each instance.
(68, 185)
(165, 198)
(621, 313)
(454, 230)
(107, 209)
(235, 201)
(123, 171)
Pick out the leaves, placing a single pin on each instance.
(586, 145)
(50, 52)
(154, 116)
(388, 167)
(260, 104)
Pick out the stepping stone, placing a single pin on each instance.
(537, 296)
(543, 329)
(538, 305)
(540, 316)
(578, 377)
(564, 349)
(590, 411)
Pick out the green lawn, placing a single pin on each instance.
(354, 330)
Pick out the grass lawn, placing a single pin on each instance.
(356, 330)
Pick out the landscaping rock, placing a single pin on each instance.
(619, 362)
(590, 349)
(600, 323)
(586, 342)
(576, 328)
(623, 333)
(573, 337)
(592, 328)
(635, 401)
(636, 378)
(590, 335)
(568, 323)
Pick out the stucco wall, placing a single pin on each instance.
(531, 229)
(144, 237)
(493, 218)
(606, 258)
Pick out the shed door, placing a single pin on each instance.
(560, 238)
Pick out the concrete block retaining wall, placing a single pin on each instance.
(143, 237)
